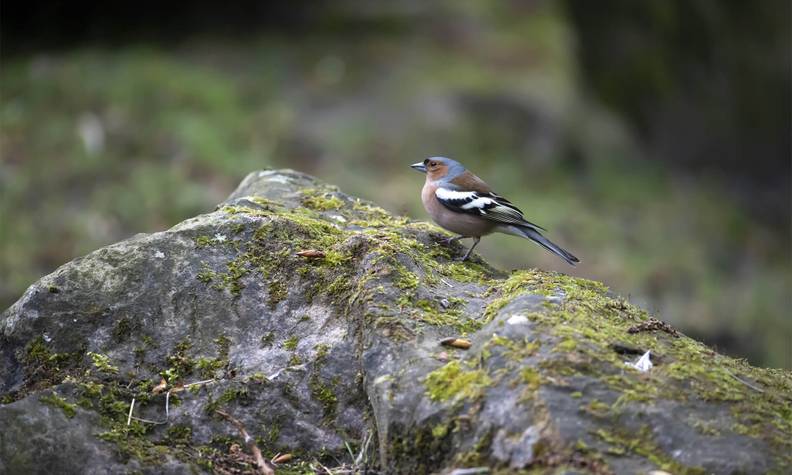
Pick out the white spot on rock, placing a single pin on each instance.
(517, 320)
(159, 255)
(220, 237)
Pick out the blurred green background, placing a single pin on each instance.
(651, 138)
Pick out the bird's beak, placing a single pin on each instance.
(419, 166)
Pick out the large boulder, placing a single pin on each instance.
(123, 360)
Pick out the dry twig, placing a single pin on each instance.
(653, 324)
(131, 408)
(744, 382)
(263, 466)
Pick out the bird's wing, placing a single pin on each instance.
(486, 205)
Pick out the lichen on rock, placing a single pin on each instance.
(319, 353)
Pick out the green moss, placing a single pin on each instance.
(123, 330)
(466, 272)
(479, 454)
(641, 444)
(179, 435)
(228, 396)
(321, 352)
(223, 344)
(514, 350)
(232, 279)
(423, 450)
(706, 428)
(320, 201)
(102, 363)
(291, 343)
(208, 367)
(566, 345)
(69, 409)
(325, 394)
(180, 363)
(439, 431)
(206, 275)
(203, 241)
(454, 381)
(530, 377)
(597, 408)
(277, 293)
(45, 368)
(267, 339)
(405, 280)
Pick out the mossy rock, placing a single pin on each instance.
(338, 350)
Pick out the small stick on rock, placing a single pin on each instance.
(744, 382)
(131, 408)
(263, 466)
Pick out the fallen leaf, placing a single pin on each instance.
(282, 458)
(456, 343)
(160, 387)
(311, 254)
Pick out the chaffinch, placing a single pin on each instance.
(462, 203)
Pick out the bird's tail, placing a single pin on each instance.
(535, 236)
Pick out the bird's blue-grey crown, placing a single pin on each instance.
(454, 168)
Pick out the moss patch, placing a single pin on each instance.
(69, 409)
(454, 381)
(320, 201)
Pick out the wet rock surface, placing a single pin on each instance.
(334, 356)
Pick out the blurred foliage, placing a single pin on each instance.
(101, 143)
(706, 84)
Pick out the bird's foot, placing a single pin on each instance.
(451, 240)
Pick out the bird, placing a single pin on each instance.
(460, 202)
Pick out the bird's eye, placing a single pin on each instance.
(432, 164)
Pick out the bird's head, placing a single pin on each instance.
(439, 168)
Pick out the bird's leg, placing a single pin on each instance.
(449, 241)
(475, 242)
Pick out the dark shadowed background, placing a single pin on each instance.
(651, 138)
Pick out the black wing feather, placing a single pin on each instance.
(486, 205)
